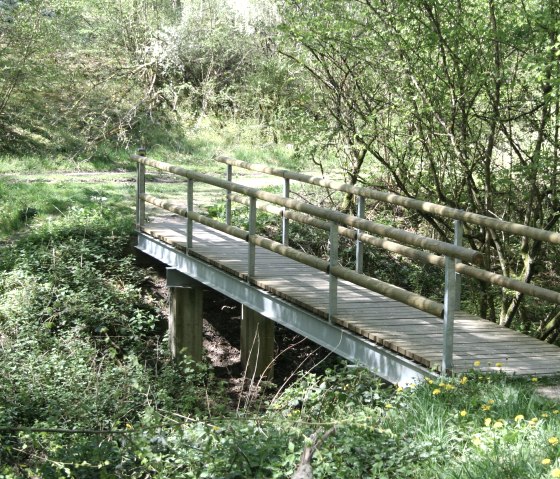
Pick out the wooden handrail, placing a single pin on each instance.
(391, 291)
(421, 256)
(391, 198)
(436, 246)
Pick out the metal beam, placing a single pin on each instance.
(382, 362)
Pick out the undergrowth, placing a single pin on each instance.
(87, 388)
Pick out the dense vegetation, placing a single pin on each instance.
(453, 102)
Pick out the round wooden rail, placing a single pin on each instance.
(440, 247)
(424, 206)
(394, 292)
(421, 256)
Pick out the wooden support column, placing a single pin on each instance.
(257, 343)
(185, 322)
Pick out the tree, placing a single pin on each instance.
(454, 102)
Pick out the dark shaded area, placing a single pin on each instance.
(221, 339)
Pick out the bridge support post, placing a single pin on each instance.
(257, 343)
(185, 318)
(140, 190)
(449, 305)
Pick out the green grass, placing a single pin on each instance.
(70, 301)
(23, 203)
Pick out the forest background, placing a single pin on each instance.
(452, 102)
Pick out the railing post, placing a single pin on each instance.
(252, 232)
(458, 242)
(229, 176)
(286, 221)
(449, 304)
(140, 190)
(190, 205)
(333, 261)
(359, 244)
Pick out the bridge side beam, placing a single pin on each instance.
(381, 361)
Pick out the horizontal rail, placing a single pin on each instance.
(421, 256)
(440, 247)
(394, 292)
(391, 198)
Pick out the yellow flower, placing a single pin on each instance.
(519, 418)
(464, 379)
(553, 440)
(487, 422)
(486, 407)
(388, 406)
(491, 401)
(498, 425)
(476, 364)
(449, 387)
(499, 365)
(534, 419)
(463, 413)
(544, 414)
(435, 392)
(400, 389)
(441, 384)
(429, 381)
(546, 461)
(555, 472)
(556, 411)
(535, 380)
(476, 441)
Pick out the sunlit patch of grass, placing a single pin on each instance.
(492, 426)
(23, 203)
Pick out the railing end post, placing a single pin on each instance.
(141, 151)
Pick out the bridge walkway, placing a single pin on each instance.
(396, 327)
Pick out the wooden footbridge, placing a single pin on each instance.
(399, 335)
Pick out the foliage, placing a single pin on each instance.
(420, 98)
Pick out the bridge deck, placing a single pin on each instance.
(414, 334)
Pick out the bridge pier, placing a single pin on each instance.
(257, 343)
(185, 316)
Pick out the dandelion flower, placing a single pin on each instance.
(388, 406)
(476, 364)
(553, 440)
(463, 413)
(486, 407)
(464, 379)
(499, 365)
(498, 425)
(555, 472)
(487, 422)
(491, 401)
(519, 418)
(535, 380)
(435, 392)
(546, 461)
(556, 411)
(544, 414)
(476, 441)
